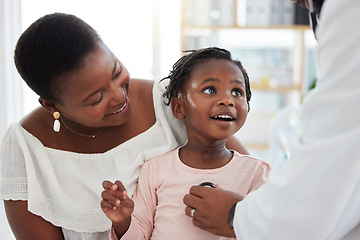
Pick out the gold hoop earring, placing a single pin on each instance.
(56, 126)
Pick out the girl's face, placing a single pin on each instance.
(214, 100)
(96, 95)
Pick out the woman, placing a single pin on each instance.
(93, 125)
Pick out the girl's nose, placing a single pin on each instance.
(226, 101)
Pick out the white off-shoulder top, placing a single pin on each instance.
(65, 187)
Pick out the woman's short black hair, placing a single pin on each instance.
(53, 45)
(183, 67)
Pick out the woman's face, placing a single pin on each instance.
(96, 95)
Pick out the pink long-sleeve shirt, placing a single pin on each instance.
(163, 182)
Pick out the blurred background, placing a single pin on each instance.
(271, 38)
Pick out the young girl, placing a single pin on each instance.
(210, 92)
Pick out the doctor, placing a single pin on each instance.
(316, 195)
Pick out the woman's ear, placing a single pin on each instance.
(48, 105)
(177, 108)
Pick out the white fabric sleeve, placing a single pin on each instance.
(44, 176)
(316, 195)
(13, 176)
(164, 112)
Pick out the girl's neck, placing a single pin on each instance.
(205, 157)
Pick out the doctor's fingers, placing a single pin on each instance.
(203, 191)
(198, 218)
(194, 213)
(192, 201)
(199, 196)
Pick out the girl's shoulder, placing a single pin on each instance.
(252, 160)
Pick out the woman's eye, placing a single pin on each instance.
(117, 73)
(237, 93)
(209, 91)
(98, 100)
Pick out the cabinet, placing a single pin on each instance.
(265, 35)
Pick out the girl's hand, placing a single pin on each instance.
(115, 203)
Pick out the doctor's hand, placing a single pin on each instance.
(210, 208)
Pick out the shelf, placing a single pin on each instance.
(277, 27)
(275, 88)
(257, 146)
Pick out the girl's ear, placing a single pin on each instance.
(48, 105)
(177, 108)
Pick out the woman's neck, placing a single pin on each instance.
(80, 130)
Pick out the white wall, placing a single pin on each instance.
(10, 83)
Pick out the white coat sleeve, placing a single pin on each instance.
(316, 195)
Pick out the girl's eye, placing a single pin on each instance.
(210, 90)
(237, 93)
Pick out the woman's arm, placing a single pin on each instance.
(26, 225)
(234, 144)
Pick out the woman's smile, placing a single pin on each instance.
(122, 110)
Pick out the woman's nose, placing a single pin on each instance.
(118, 94)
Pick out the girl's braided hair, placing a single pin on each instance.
(184, 66)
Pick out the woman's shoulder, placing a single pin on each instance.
(141, 92)
(141, 86)
(36, 121)
(141, 99)
(39, 123)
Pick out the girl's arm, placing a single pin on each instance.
(141, 224)
(26, 225)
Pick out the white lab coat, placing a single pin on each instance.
(316, 195)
